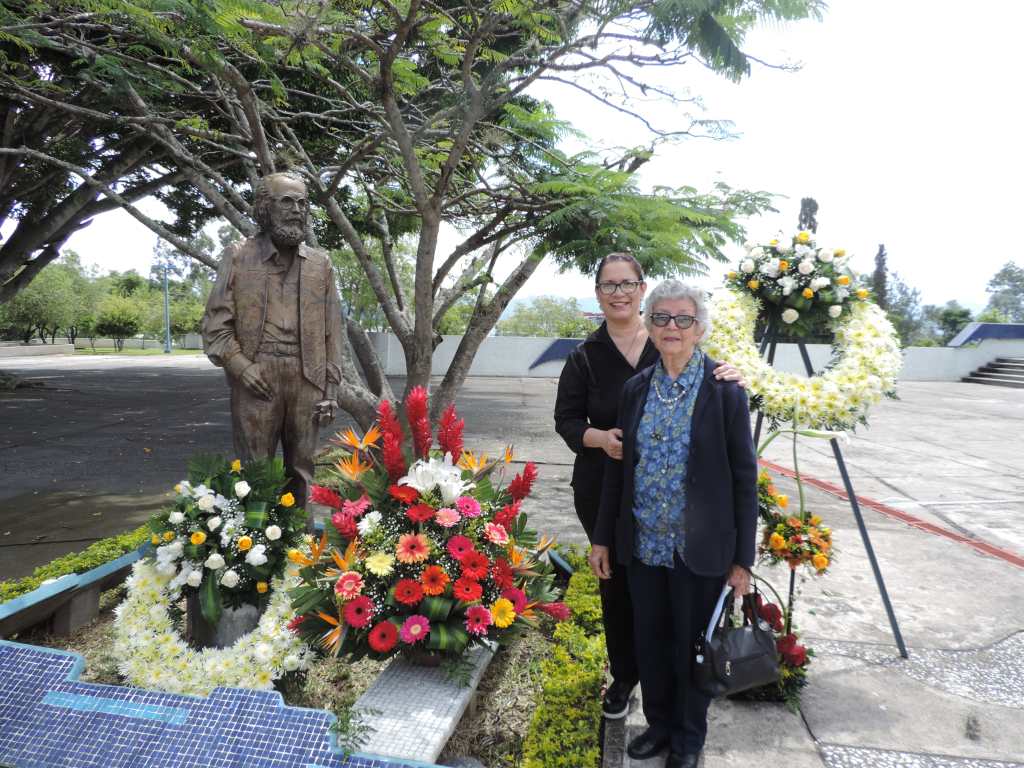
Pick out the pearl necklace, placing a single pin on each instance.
(669, 400)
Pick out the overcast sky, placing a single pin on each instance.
(901, 122)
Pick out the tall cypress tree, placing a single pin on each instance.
(879, 279)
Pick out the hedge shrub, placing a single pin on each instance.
(96, 554)
(565, 725)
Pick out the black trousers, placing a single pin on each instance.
(616, 605)
(670, 607)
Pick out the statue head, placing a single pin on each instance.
(281, 207)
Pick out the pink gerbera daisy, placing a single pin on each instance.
(517, 597)
(356, 508)
(415, 629)
(349, 584)
(478, 619)
(468, 506)
(412, 548)
(359, 611)
(459, 547)
(495, 534)
(446, 517)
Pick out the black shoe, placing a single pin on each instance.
(647, 744)
(616, 700)
(676, 760)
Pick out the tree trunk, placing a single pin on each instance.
(376, 376)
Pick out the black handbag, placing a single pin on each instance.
(731, 659)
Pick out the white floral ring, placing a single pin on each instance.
(865, 363)
(152, 655)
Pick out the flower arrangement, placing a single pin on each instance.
(226, 536)
(793, 539)
(152, 654)
(421, 552)
(866, 360)
(800, 284)
(794, 658)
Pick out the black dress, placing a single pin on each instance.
(589, 391)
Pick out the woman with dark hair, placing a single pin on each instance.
(680, 511)
(589, 391)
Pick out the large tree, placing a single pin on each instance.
(403, 117)
(1007, 289)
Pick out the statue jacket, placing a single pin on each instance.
(237, 310)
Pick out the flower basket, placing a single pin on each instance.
(423, 553)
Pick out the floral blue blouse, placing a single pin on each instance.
(663, 445)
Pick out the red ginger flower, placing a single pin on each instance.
(419, 422)
(557, 611)
(293, 625)
(345, 524)
(383, 637)
(522, 483)
(391, 448)
(449, 433)
(320, 495)
(507, 516)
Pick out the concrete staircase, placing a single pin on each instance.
(1002, 372)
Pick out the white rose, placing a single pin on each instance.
(175, 518)
(213, 523)
(820, 282)
(229, 579)
(206, 502)
(805, 267)
(166, 568)
(826, 255)
(747, 265)
(784, 246)
(290, 663)
(242, 489)
(835, 310)
(788, 283)
(214, 561)
(195, 578)
(273, 533)
(256, 556)
(771, 268)
(790, 315)
(803, 251)
(842, 293)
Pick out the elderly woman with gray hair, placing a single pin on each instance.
(681, 510)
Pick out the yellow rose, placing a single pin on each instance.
(776, 542)
(803, 237)
(244, 544)
(753, 284)
(843, 280)
(808, 293)
(197, 538)
(862, 293)
(262, 587)
(839, 252)
(154, 539)
(820, 561)
(783, 265)
(782, 500)
(287, 500)
(236, 465)
(815, 520)
(295, 556)
(773, 242)
(168, 535)
(730, 275)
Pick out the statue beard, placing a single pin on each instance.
(285, 235)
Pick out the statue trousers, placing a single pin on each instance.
(259, 425)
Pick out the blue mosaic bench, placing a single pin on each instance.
(49, 719)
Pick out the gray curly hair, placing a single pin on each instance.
(675, 289)
(262, 198)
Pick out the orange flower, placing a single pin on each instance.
(753, 284)
(782, 500)
(470, 461)
(412, 548)
(434, 580)
(368, 440)
(197, 538)
(783, 265)
(843, 280)
(245, 544)
(331, 639)
(808, 293)
(262, 587)
(353, 467)
(794, 522)
(820, 561)
(775, 541)
(815, 520)
(508, 454)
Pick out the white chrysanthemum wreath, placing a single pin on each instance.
(154, 656)
(866, 361)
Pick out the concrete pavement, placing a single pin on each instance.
(948, 455)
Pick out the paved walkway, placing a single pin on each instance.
(947, 456)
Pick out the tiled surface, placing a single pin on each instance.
(49, 719)
(862, 757)
(414, 709)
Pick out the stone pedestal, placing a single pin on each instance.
(233, 623)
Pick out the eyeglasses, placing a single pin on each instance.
(288, 202)
(661, 319)
(626, 286)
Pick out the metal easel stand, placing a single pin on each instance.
(769, 341)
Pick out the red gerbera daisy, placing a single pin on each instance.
(459, 547)
(404, 493)
(517, 597)
(408, 591)
(383, 637)
(467, 590)
(359, 611)
(502, 573)
(420, 513)
(475, 565)
(434, 580)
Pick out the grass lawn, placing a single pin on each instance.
(154, 350)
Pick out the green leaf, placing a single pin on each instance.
(209, 598)
(450, 638)
(436, 608)
(256, 514)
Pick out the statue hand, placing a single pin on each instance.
(254, 382)
(323, 412)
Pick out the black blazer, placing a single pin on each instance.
(721, 478)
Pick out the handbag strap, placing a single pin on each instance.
(716, 615)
